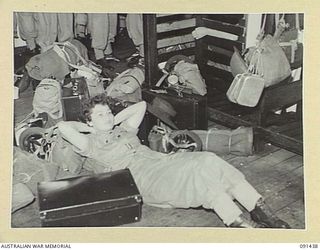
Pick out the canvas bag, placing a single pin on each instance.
(88, 70)
(189, 75)
(47, 98)
(268, 59)
(225, 141)
(183, 75)
(127, 85)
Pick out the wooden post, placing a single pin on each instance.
(199, 43)
(150, 49)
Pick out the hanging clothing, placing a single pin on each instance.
(103, 29)
(134, 23)
(27, 29)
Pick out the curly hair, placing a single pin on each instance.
(87, 105)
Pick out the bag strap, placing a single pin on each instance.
(112, 86)
(261, 32)
(62, 53)
(73, 48)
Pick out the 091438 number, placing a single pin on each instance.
(311, 245)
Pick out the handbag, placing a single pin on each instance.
(246, 89)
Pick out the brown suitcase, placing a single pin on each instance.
(106, 199)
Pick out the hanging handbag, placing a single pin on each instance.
(246, 88)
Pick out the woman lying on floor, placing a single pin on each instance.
(181, 180)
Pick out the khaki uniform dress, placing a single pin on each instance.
(181, 180)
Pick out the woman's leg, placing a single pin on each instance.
(186, 180)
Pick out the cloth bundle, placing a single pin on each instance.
(238, 141)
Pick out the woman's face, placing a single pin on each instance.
(102, 118)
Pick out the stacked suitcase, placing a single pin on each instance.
(191, 112)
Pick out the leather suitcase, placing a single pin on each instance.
(191, 109)
(74, 89)
(107, 199)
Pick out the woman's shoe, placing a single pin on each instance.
(242, 222)
(262, 214)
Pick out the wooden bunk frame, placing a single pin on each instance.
(283, 129)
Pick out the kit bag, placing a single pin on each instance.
(87, 69)
(183, 75)
(267, 58)
(21, 196)
(127, 85)
(238, 141)
(269, 61)
(29, 170)
(47, 98)
(189, 75)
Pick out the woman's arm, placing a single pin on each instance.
(131, 116)
(71, 131)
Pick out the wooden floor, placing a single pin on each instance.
(276, 173)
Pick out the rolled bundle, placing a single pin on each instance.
(238, 141)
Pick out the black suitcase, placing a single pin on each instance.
(73, 91)
(192, 112)
(107, 199)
